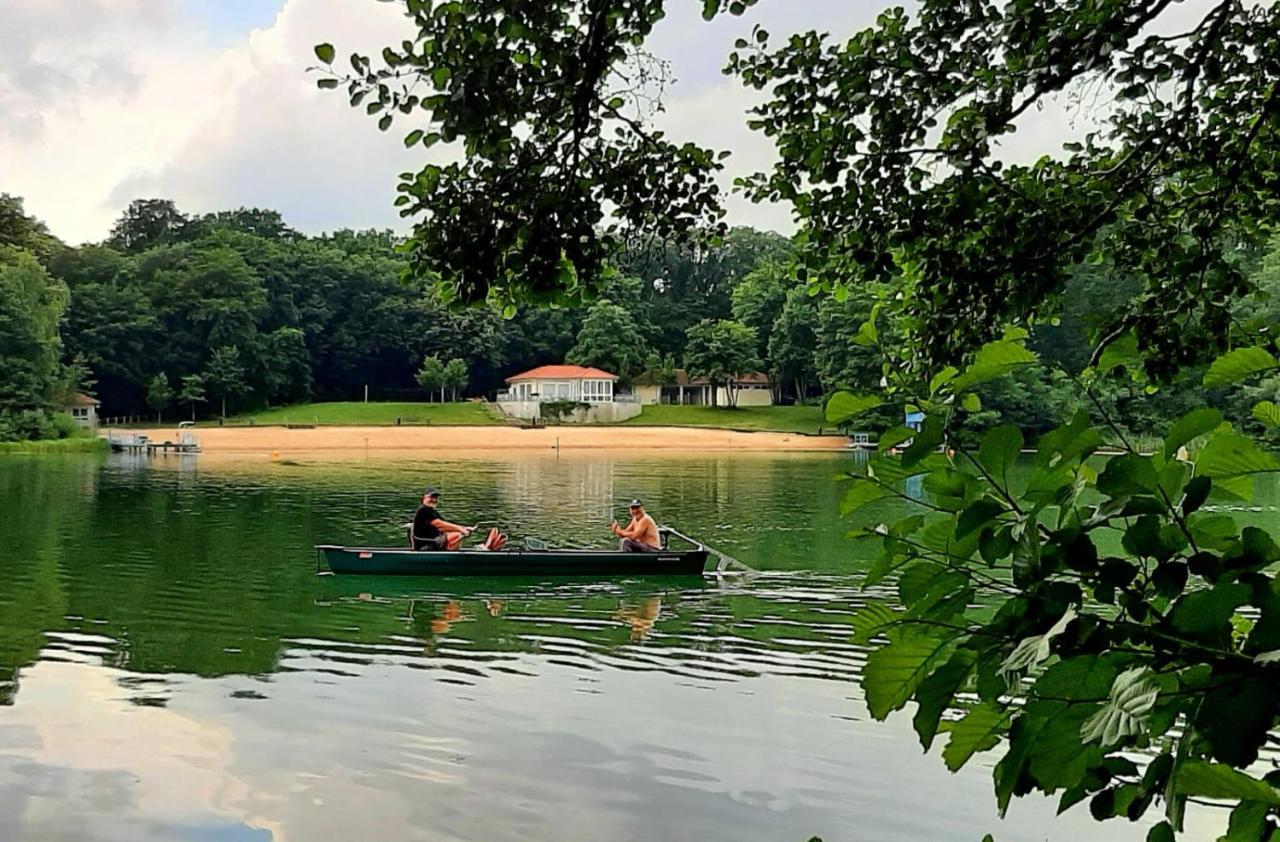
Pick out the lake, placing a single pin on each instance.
(171, 666)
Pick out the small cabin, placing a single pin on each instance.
(84, 409)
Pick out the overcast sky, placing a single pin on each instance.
(207, 102)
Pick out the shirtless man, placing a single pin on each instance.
(640, 535)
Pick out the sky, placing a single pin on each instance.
(208, 103)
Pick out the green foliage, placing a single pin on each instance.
(431, 373)
(558, 410)
(890, 151)
(31, 304)
(550, 105)
(159, 394)
(610, 340)
(224, 376)
(721, 351)
(193, 392)
(454, 376)
(1079, 613)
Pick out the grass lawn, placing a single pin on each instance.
(356, 413)
(783, 419)
(76, 444)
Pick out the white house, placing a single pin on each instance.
(593, 387)
(752, 390)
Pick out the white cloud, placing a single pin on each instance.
(105, 101)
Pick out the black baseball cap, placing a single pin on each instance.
(431, 491)
(635, 504)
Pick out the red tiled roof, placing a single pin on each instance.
(79, 399)
(562, 372)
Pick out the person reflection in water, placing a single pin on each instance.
(640, 535)
(641, 617)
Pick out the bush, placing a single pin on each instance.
(64, 426)
(27, 425)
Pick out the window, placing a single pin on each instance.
(597, 391)
(80, 413)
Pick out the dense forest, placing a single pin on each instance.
(178, 312)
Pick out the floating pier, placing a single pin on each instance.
(141, 443)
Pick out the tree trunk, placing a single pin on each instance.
(224, 407)
(193, 412)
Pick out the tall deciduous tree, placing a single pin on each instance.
(159, 395)
(31, 304)
(146, 223)
(454, 376)
(193, 392)
(431, 375)
(610, 340)
(721, 351)
(224, 375)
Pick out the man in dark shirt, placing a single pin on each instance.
(432, 532)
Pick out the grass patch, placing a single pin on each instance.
(357, 413)
(782, 419)
(72, 445)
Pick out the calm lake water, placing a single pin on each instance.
(172, 668)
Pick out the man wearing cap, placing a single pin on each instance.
(432, 532)
(640, 535)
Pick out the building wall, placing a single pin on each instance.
(647, 394)
(746, 397)
(597, 413)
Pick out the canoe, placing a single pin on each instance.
(516, 561)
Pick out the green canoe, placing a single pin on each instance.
(507, 562)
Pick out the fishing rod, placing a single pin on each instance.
(726, 560)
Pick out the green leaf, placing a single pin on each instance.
(1195, 423)
(412, 137)
(894, 671)
(1217, 780)
(977, 515)
(1230, 454)
(979, 730)
(1127, 475)
(894, 437)
(326, 84)
(1162, 832)
(1248, 822)
(843, 407)
(999, 451)
(325, 53)
(862, 493)
(971, 403)
(385, 122)
(1236, 365)
(925, 442)
(872, 619)
(1035, 649)
(993, 360)
(1122, 352)
(1267, 413)
(937, 692)
(1133, 695)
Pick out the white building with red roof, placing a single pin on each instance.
(590, 388)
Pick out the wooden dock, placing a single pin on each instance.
(140, 443)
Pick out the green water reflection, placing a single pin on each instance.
(172, 668)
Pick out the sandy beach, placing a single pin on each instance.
(401, 440)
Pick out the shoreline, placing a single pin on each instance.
(444, 440)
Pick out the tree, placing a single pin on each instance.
(721, 351)
(560, 166)
(454, 376)
(431, 375)
(224, 375)
(31, 304)
(758, 301)
(146, 223)
(20, 231)
(192, 392)
(792, 342)
(159, 395)
(610, 340)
